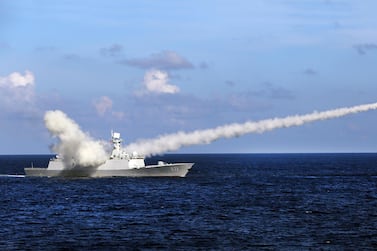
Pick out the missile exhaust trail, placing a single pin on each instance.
(172, 142)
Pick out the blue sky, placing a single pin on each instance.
(146, 68)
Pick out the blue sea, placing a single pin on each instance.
(226, 202)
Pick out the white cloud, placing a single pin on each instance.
(16, 79)
(156, 81)
(103, 104)
(17, 91)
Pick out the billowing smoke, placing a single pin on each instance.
(73, 144)
(171, 142)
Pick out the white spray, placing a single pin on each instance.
(73, 144)
(171, 142)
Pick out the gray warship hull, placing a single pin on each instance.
(167, 170)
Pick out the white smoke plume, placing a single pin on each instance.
(73, 144)
(171, 142)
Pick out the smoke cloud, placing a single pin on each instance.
(171, 142)
(73, 144)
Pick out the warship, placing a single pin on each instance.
(119, 164)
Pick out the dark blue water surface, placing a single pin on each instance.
(226, 202)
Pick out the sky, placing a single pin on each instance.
(149, 68)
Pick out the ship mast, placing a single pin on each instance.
(117, 141)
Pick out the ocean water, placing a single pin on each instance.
(226, 202)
